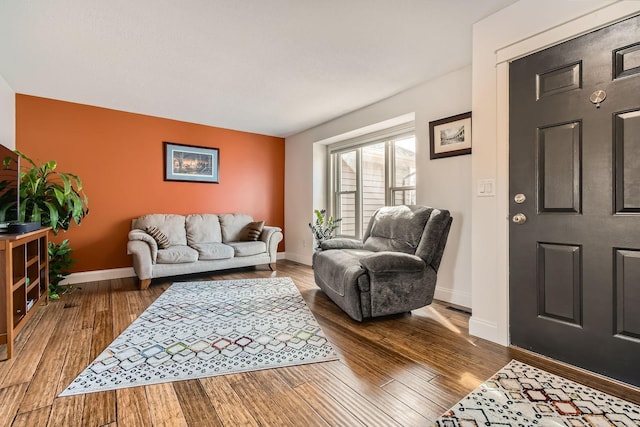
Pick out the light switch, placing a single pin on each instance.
(486, 188)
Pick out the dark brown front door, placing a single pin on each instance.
(574, 257)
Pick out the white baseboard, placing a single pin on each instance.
(96, 275)
(113, 273)
(487, 330)
(452, 296)
(299, 258)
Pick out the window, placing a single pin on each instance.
(369, 175)
(403, 187)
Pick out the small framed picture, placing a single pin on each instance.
(191, 163)
(450, 136)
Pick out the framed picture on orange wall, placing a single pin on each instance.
(191, 163)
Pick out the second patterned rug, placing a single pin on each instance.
(520, 395)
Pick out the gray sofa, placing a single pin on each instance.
(392, 270)
(198, 243)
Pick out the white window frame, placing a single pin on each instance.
(387, 136)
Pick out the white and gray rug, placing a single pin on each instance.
(201, 329)
(520, 395)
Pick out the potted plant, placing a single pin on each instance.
(60, 262)
(323, 228)
(56, 200)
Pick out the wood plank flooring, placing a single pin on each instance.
(400, 371)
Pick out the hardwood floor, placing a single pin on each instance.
(404, 370)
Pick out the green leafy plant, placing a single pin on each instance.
(55, 199)
(60, 262)
(7, 189)
(323, 227)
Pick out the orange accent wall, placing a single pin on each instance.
(119, 157)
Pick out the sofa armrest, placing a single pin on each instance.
(271, 236)
(142, 264)
(392, 262)
(142, 236)
(341, 243)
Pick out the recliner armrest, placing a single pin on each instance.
(388, 262)
(341, 243)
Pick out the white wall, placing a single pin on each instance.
(443, 183)
(524, 27)
(481, 223)
(7, 115)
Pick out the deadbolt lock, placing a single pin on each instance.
(519, 198)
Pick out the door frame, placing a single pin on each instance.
(490, 102)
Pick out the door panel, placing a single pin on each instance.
(626, 61)
(560, 282)
(563, 79)
(559, 149)
(627, 153)
(575, 262)
(628, 293)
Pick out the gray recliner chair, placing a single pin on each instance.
(392, 270)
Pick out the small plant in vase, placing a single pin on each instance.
(323, 228)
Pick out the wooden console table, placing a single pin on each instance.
(24, 280)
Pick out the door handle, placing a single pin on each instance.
(519, 218)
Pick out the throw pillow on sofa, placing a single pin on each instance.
(252, 231)
(158, 236)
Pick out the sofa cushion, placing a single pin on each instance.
(204, 228)
(210, 251)
(177, 254)
(170, 225)
(248, 248)
(233, 226)
(252, 231)
(397, 228)
(161, 240)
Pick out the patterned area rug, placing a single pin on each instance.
(203, 329)
(521, 395)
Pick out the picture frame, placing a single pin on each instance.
(450, 136)
(191, 163)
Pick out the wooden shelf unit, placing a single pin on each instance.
(24, 280)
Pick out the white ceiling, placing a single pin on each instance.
(273, 67)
